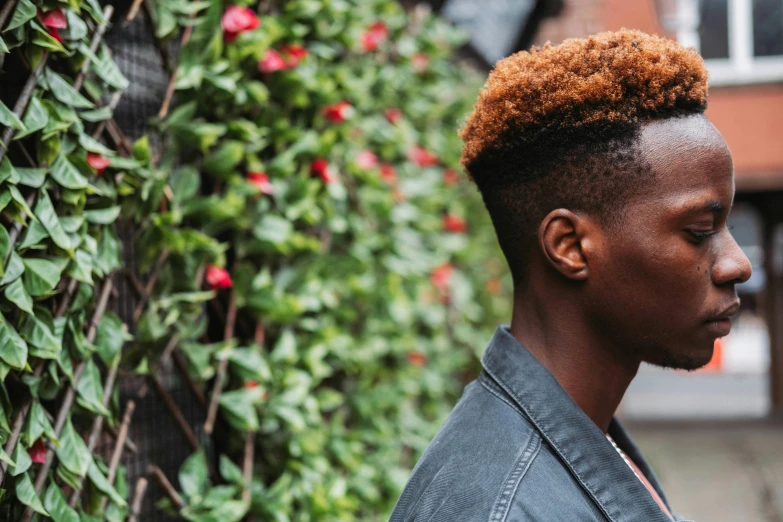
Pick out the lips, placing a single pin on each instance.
(720, 323)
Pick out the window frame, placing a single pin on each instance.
(741, 67)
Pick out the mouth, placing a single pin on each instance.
(720, 323)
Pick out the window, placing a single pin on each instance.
(740, 40)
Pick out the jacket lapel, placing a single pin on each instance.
(580, 444)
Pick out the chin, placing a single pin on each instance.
(688, 360)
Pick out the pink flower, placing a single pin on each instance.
(374, 36)
(237, 20)
(422, 157)
(450, 177)
(388, 174)
(417, 358)
(420, 62)
(393, 115)
(218, 277)
(321, 168)
(338, 112)
(98, 162)
(441, 277)
(455, 224)
(54, 19)
(293, 55)
(366, 159)
(261, 181)
(37, 451)
(271, 62)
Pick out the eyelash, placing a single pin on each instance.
(701, 235)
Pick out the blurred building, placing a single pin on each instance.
(742, 43)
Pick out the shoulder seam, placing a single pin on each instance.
(488, 387)
(503, 503)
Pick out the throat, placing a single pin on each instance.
(595, 377)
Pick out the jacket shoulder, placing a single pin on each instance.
(472, 469)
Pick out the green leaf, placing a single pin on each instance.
(21, 202)
(64, 173)
(72, 453)
(25, 492)
(273, 229)
(35, 118)
(16, 293)
(55, 504)
(193, 476)
(110, 337)
(24, 12)
(102, 216)
(103, 485)
(108, 71)
(93, 145)
(30, 177)
(37, 425)
(40, 276)
(239, 408)
(64, 91)
(13, 269)
(230, 471)
(104, 113)
(22, 460)
(44, 211)
(222, 161)
(3, 46)
(81, 267)
(41, 341)
(7, 459)
(13, 349)
(8, 118)
(90, 390)
(7, 170)
(141, 150)
(42, 38)
(34, 235)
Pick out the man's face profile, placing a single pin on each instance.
(662, 279)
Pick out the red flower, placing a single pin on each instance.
(37, 451)
(54, 19)
(388, 174)
(393, 115)
(338, 112)
(374, 36)
(441, 277)
(293, 55)
(420, 62)
(366, 159)
(98, 162)
(218, 277)
(261, 181)
(271, 62)
(422, 157)
(320, 167)
(417, 358)
(456, 224)
(237, 20)
(493, 286)
(450, 177)
(250, 385)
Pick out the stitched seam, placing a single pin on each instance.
(418, 500)
(554, 445)
(488, 387)
(503, 503)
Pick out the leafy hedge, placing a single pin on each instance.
(318, 263)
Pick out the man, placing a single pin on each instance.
(609, 192)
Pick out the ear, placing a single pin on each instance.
(561, 237)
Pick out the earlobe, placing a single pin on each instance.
(560, 238)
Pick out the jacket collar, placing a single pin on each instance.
(579, 443)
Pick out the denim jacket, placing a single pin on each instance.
(517, 448)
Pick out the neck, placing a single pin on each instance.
(594, 373)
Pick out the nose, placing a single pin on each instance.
(732, 266)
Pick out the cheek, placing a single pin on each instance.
(657, 278)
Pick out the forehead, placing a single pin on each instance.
(687, 154)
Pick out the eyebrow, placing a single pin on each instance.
(713, 207)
